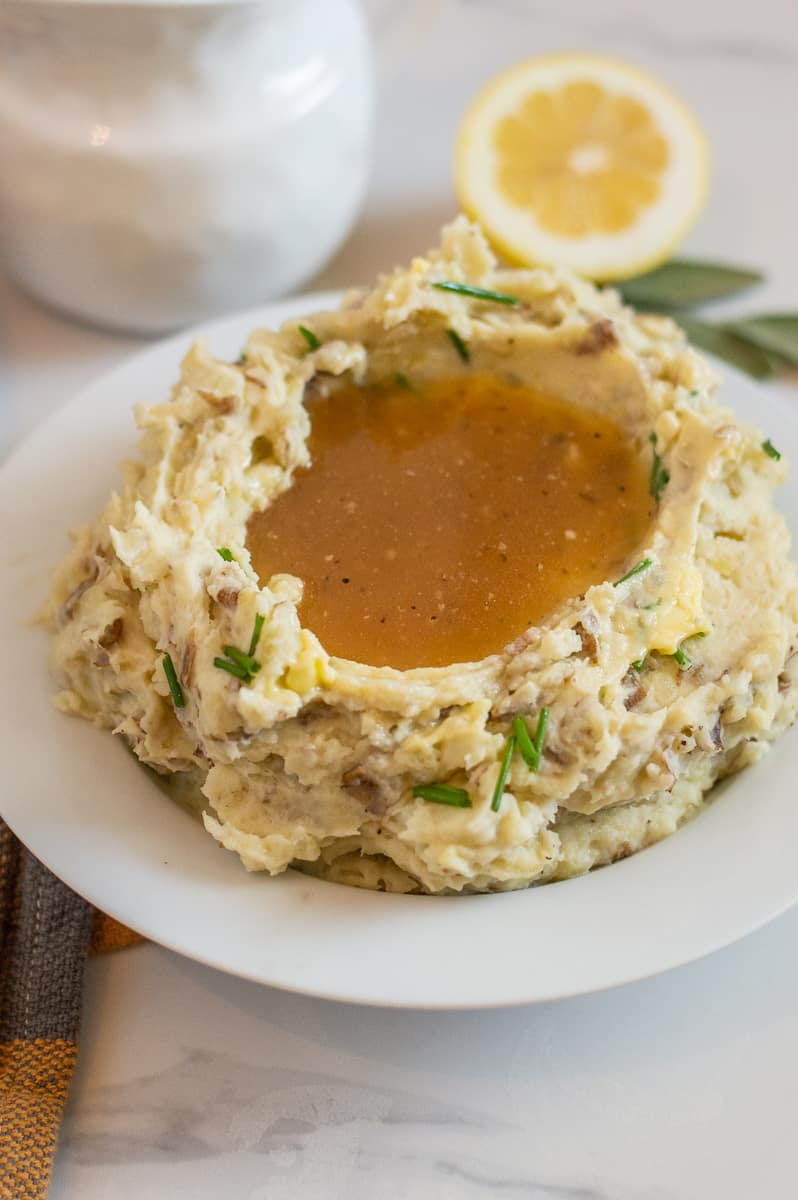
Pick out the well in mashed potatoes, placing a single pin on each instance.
(655, 687)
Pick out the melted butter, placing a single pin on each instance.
(435, 525)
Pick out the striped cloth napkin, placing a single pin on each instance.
(46, 933)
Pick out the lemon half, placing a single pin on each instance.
(582, 161)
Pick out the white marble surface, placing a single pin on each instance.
(191, 1084)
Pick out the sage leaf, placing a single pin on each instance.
(719, 341)
(776, 333)
(683, 282)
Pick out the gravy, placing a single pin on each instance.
(435, 525)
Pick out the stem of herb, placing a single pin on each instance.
(636, 570)
(256, 632)
(504, 771)
(233, 668)
(659, 476)
(682, 658)
(459, 344)
(169, 671)
(442, 793)
(250, 664)
(478, 293)
(310, 337)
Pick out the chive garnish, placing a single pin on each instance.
(498, 791)
(771, 450)
(525, 743)
(466, 289)
(256, 632)
(459, 344)
(442, 793)
(242, 663)
(638, 664)
(242, 358)
(682, 658)
(224, 553)
(250, 664)
(402, 381)
(310, 337)
(233, 668)
(531, 748)
(636, 570)
(659, 476)
(174, 683)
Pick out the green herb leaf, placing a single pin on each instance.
(683, 282)
(775, 333)
(478, 293)
(242, 358)
(256, 632)
(728, 346)
(174, 683)
(531, 748)
(226, 554)
(636, 570)
(525, 743)
(233, 668)
(459, 344)
(540, 731)
(402, 381)
(310, 337)
(504, 771)
(682, 658)
(250, 664)
(660, 476)
(771, 450)
(442, 793)
(638, 663)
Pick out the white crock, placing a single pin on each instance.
(163, 162)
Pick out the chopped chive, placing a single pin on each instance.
(531, 748)
(654, 604)
(174, 683)
(242, 358)
(638, 663)
(250, 664)
(459, 344)
(682, 658)
(466, 289)
(498, 791)
(442, 793)
(402, 381)
(659, 476)
(310, 337)
(256, 632)
(771, 450)
(525, 743)
(224, 553)
(540, 731)
(233, 668)
(636, 570)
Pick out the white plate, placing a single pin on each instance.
(82, 804)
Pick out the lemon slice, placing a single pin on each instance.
(582, 161)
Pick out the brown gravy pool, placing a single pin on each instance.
(435, 525)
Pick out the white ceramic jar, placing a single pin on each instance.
(165, 160)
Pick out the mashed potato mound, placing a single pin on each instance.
(656, 687)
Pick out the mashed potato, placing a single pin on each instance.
(655, 687)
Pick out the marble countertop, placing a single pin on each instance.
(684, 1087)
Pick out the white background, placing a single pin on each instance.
(680, 1088)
